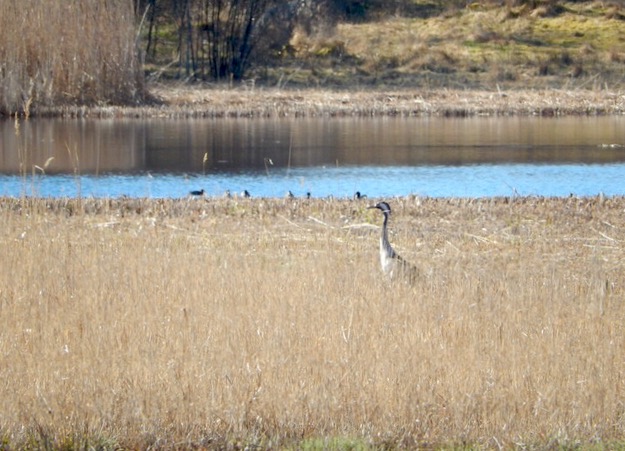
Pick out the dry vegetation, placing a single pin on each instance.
(569, 45)
(54, 54)
(487, 58)
(197, 102)
(235, 322)
(183, 101)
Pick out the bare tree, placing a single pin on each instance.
(221, 39)
(231, 33)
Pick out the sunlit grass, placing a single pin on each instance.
(240, 322)
(488, 44)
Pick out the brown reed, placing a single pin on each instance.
(58, 54)
(238, 322)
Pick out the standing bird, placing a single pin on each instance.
(393, 265)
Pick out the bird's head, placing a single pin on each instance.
(386, 208)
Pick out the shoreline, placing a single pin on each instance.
(180, 102)
(182, 207)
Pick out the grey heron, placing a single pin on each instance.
(393, 265)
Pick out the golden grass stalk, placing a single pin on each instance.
(234, 322)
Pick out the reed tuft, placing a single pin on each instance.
(66, 54)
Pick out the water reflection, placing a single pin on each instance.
(389, 156)
(170, 146)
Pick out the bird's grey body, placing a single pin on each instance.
(393, 265)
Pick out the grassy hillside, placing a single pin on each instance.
(576, 44)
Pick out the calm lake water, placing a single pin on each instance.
(436, 157)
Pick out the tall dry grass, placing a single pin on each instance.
(226, 323)
(56, 53)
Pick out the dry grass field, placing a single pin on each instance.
(231, 323)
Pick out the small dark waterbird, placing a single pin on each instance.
(358, 195)
(197, 192)
(393, 265)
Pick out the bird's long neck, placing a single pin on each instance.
(385, 246)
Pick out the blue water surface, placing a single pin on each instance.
(321, 181)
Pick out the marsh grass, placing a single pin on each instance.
(55, 54)
(239, 322)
